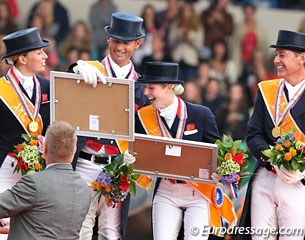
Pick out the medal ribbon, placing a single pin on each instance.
(26, 103)
(278, 116)
(182, 115)
(107, 66)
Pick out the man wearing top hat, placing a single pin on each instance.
(24, 97)
(275, 195)
(124, 38)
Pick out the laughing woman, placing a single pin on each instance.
(168, 115)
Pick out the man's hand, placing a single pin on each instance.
(89, 73)
(288, 176)
(128, 158)
(4, 226)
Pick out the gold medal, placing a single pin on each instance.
(33, 126)
(276, 132)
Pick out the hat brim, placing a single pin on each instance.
(44, 43)
(123, 38)
(143, 79)
(289, 47)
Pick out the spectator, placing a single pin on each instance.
(56, 16)
(99, 17)
(217, 22)
(7, 24)
(185, 39)
(222, 66)
(158, 52)
(164, 19)
(233, 115)
(78, 37)
(249, 35)
(149, 28)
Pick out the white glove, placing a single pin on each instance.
(128, 158)
(89, 73)
(288, 176)
(215, 177)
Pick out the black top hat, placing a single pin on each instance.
(290, 40)
(160, 72)
(125, 27)
(23, 41)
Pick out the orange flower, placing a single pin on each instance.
(43, 156)
(288, 156)
(98, 186)
(287, 144)
(228, 156)
(279, 147)
(93, 185)
(19, 147)
(37, 166)
(292, 151)
(33, 142)
(108, 189)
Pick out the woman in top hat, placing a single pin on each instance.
(24, 97)
(168, 115)
(274, 199)
(124, 38)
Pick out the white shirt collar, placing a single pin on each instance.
(293, 89)
(170, 112)
(26, 81)
(120, 72)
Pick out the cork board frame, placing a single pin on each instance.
(174, 158)
(106, 111)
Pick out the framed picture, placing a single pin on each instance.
(174, 158)
(106, 111)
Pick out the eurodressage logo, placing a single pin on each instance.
(218, 196)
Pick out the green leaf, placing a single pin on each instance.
(132, 188)
(135, 176)
(268, 153)
(26, 137)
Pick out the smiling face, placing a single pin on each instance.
(290, 65)
(160, 95)
(32, 62)
(122, 51)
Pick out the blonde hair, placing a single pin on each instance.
(60, 141)
(178, 89)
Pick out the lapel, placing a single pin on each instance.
(299, 108)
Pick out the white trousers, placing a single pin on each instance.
(8, 179)
(277, 205)
(170, 203)
(109, 219)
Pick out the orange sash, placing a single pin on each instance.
(11, 100)
(220, 204)
(269, 90)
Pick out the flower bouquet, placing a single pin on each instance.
(287, 152)
(231, 162)
(29, 155)
(115, 181)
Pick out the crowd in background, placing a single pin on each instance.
(221, 61)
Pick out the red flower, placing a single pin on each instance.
(239, 158)
(124, 185)
(22, 165)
